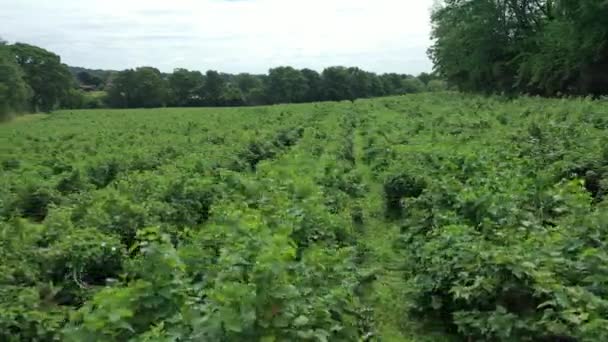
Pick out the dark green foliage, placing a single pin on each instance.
(547, 47)
(14, 91)
(286, 85)
(190, 202)
(86, 78)
(184, 87)
(71, 182)
(104, 173)
(142, 87)
(33, 202)
(397, 187)
(43, 71)
(85, 257)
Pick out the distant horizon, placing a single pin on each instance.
(245, 36)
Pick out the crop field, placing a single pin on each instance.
(429, 217)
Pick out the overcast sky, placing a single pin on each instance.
(226, 35)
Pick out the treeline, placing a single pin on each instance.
(33, 79)
(542, 47)
(148, 87)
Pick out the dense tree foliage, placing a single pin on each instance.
(43, 71)
(286, 85)
(185, 87)
(39, 78)
(87, 78)
(141, 87)
(14, 91)
(542, 47)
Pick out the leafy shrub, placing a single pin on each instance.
(104, 173)
(85, 256)
(190, 202)
(401, 186)
(10, 164)
(33, 201)
(116, 214)
(71, 183)
(27, 314)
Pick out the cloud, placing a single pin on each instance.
(228, 35)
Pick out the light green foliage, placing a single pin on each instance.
(426, 217)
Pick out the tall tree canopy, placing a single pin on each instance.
(49, 79)
(213, 88)
(286, 84)
(14, 91)
(142, 87)
(185, 87)
(533, 46)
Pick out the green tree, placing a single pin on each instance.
(185, 87)
(14, 91)
(86, 78)
(142, 87)
(314, 85)
(286, 85)
(412, 85)
(336, 84)
(251, 88)
(571, 55)
(232, 96)
(48, 78)
(392, 83)
(360, 83)
(213, 88)
(543, 47)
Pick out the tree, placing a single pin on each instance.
(392, 83)
(48, 78)
(359, 83)
(142, 87)
(213, 88)
(336, 84)
(543, 47)
(185, 87)
(251, 88)
(571, 55)
(14, 91)
(286, 85)
(232, 96)
(87, 79)
(314, 85)
(412, 85)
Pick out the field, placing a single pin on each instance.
(429, 217)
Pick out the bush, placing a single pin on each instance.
(33, 201)
(399, 186)
(104, 173)
(190, 203)
(86, 256)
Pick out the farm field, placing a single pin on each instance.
(428, 217)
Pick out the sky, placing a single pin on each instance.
(226, 35)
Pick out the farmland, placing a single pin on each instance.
(422, 217)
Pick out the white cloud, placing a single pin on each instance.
(231, 36)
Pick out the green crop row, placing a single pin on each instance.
(428, 217)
